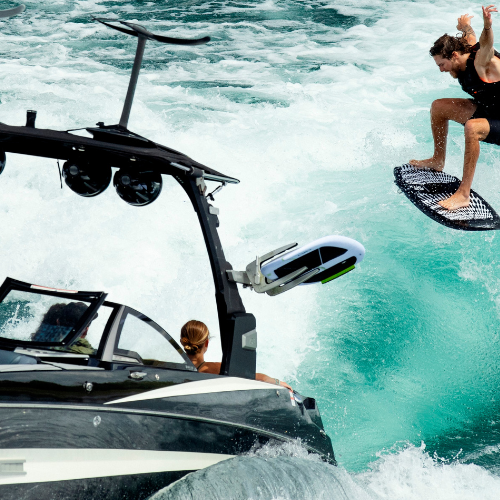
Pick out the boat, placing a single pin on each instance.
(96, 399)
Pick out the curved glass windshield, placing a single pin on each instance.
(143, 341)
(39, 318)
(51, 322)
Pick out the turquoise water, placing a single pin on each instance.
(311, 104)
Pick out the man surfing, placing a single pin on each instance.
(477, 68)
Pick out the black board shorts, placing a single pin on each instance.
(494, 121)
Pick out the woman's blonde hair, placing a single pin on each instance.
(193, 335)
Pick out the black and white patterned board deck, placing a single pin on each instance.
(425, 188)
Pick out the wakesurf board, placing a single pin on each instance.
(426, 187)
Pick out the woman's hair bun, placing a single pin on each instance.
(189, 347)
(193, 335)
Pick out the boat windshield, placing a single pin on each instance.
(40, 319)
(71, 322)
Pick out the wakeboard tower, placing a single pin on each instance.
(425, 188)
(131, 413)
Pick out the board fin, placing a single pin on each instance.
(4, 14)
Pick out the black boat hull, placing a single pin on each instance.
(76, 451)
(139, 486)
(96, 453)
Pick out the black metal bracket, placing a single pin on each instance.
(143, 36)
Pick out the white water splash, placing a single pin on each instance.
(412, 474)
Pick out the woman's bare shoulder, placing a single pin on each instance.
(210, 367)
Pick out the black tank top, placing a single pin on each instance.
(486, 95)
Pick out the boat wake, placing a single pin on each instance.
(272, 472)
(288, 472)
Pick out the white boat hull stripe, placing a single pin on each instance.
(208, 386)
(43, 465)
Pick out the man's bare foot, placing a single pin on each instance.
(430, 163)
(456, 201)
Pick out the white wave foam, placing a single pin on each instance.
(412, 474)
(274, 449)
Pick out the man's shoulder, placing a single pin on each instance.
(82, 346)
(476, 49)
(487, 62)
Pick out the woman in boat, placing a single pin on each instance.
(194, 339)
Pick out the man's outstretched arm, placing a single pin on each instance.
(465, 27)
(486, 53)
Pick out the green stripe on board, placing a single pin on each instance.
(337, 275)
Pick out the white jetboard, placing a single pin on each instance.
(425, 188)
(333, 256)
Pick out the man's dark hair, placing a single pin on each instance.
(445, 45)
(64, 314)
(58, 321)
(71, 313)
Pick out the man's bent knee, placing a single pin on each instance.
(445, 108)
(477, 129)
(440, 105)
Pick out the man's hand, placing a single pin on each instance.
(464, 23)
(466, 29)
(487, 16)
